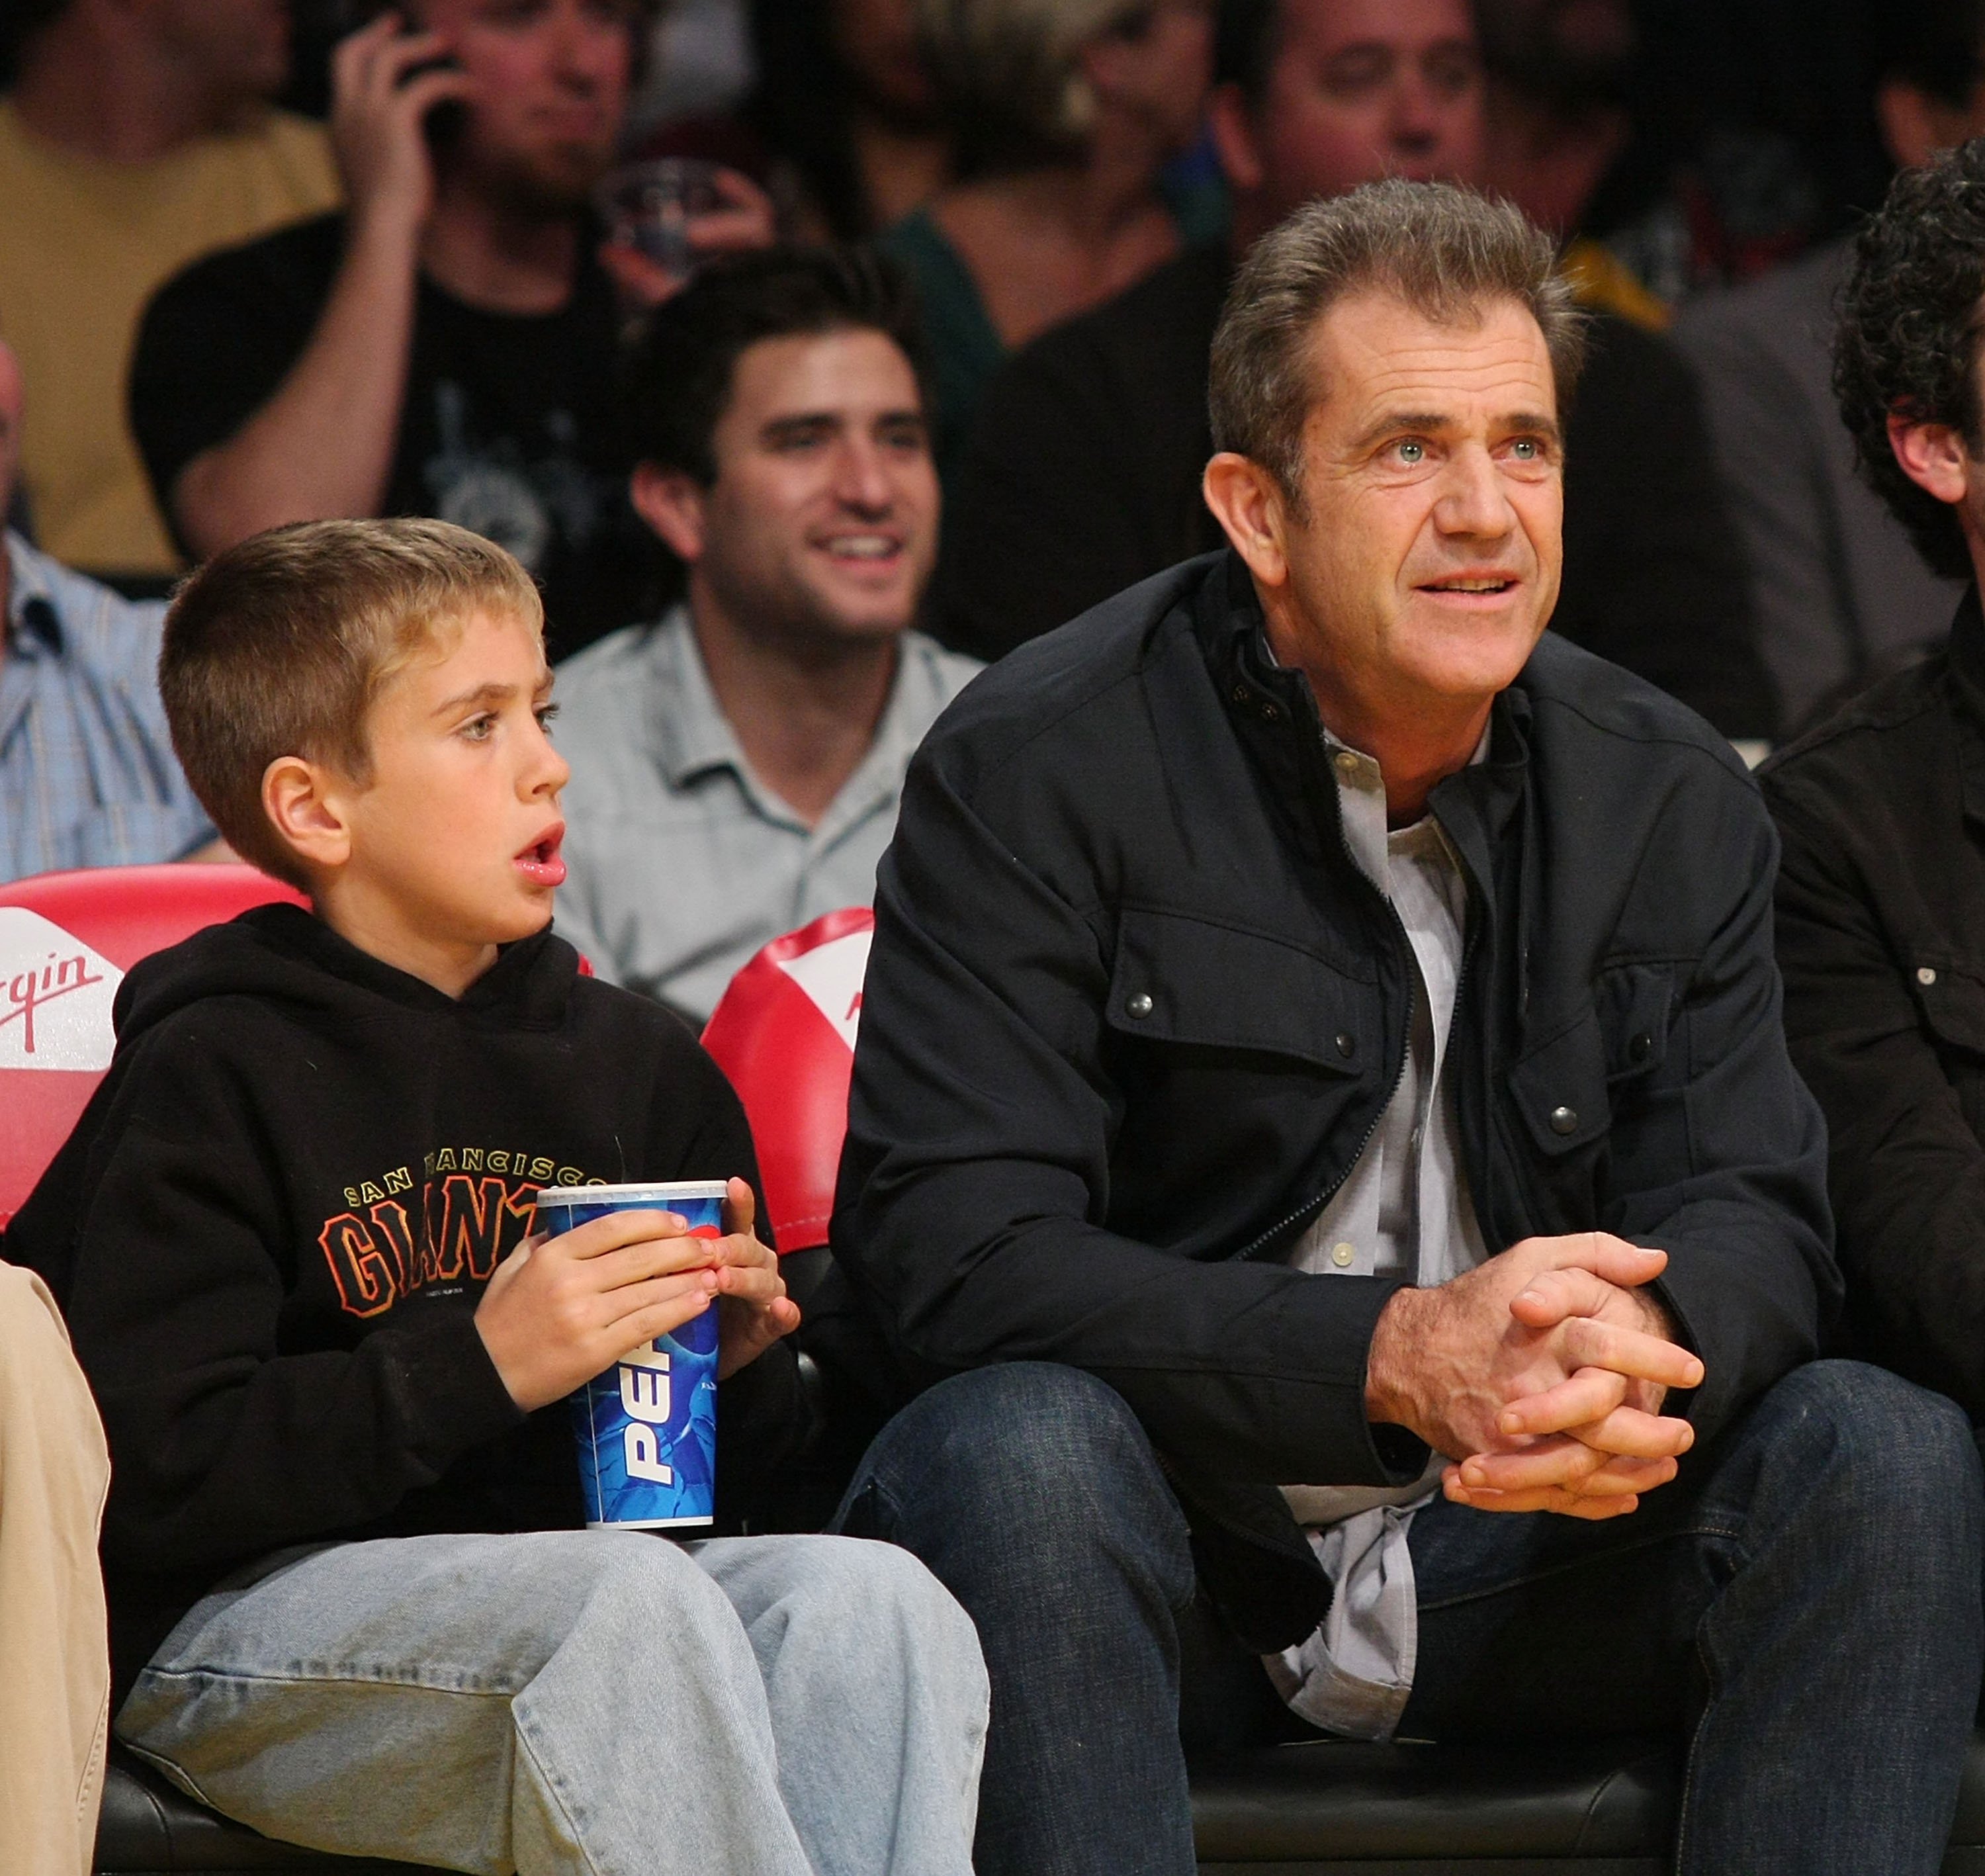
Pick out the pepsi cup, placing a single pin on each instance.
(647, 1428)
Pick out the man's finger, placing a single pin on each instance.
(1615, 1260)
(1584, 1398)
(1593, 1344)
(1635, 1435)
(1546, 1498)
(1559, 1460)
(1553, 1297)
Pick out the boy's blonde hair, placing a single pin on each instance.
(279, 646)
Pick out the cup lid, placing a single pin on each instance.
(659, 1193)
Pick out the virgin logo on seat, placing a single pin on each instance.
(55, 996)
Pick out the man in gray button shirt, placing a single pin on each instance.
(736, 766)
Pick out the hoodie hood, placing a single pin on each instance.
(283, 955)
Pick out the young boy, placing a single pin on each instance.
(348, 1598)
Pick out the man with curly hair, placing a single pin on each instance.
(1881, 893)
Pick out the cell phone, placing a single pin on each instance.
(447, 120)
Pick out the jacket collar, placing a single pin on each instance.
(1274, 711)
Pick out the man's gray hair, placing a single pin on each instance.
(1447, 253)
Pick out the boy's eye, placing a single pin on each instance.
(546, 713)
(477, 729)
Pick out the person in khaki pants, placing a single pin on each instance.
(55, 1664)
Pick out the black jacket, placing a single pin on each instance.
(1132, 1011)
(1881, 921)
(271, 1227)
(1088, 444)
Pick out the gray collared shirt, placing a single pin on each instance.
(681, 863)
(87, 773)
(1403, 1210)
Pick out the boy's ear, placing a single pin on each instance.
(671, 503)
(305, 805)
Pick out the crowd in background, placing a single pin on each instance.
(262, 262)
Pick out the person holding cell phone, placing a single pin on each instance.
(445, 346)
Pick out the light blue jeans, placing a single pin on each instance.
(600, 1703)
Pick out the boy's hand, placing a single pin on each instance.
(560, 1310)
(755, 1310)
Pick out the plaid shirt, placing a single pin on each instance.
(87, 773)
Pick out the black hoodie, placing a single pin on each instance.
(271, 1226)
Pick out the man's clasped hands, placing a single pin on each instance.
(1540, 1374)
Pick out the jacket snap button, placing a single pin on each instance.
(1641, 1048)
(1242, 694)
(1343, 1255)
(1347, 1044)
(1925, 977)
(1564, 1120)
(1139, 1005)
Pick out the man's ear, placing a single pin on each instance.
(1235, 144)
(671, 503)
(1933, 456)
(1249, 505)
(304, 801)
(1915, 126)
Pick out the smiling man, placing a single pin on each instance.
(1322, 1140)
(736, 767)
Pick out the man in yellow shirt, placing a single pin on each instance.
(137, 136)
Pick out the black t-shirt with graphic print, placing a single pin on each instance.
(509, 425)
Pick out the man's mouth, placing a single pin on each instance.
(1470, 584)
(539, 862)
(867, 547)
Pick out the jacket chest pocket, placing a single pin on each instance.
(1197, 986)
(1952, 1003)
(1571, 1089)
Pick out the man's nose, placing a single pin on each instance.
(1416, 127)
(1472, 502)
(862, 480)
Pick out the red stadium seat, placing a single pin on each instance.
(785, 1034)
(66, 939)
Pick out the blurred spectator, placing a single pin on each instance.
(54, 1654)
(842, 126)
(447, 347)
(87, 773)
(736, 767)
(1064, 113)
(1558, 118)
(136, 138)
(1089, 445)
(1841, 592)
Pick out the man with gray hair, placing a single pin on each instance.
(1323, 1144)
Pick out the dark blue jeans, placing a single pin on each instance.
(1804, 1600)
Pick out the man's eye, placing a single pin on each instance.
(1527, 449)
(1411, 453)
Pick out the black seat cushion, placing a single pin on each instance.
(147, 1827)
(1603, 1808)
